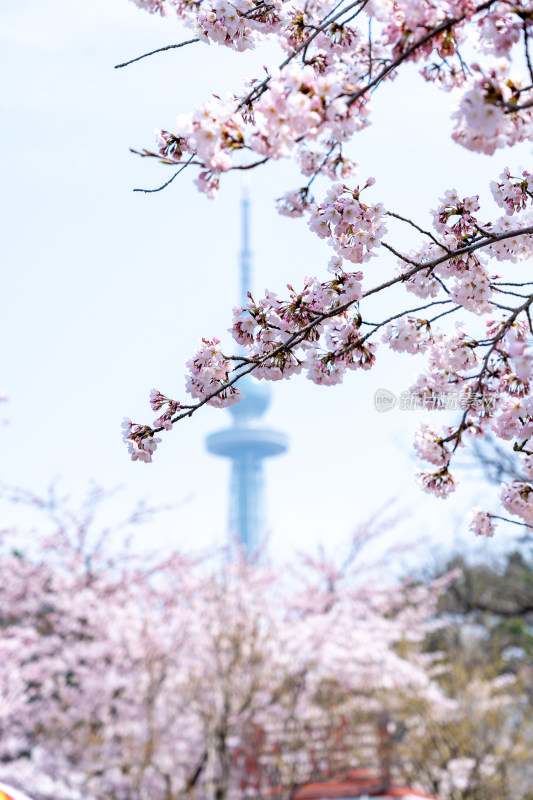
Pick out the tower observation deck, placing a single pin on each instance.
(245, 443)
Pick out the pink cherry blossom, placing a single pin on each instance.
(481, 523)
(466, 266)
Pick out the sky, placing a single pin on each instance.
(107, 292)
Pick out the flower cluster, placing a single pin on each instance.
(408, 335)
(233, 24)
(499, 30)
(209, 373)
(335, 165)
(482, 523)
(295, 203)
(140, 440)
(453, 353)
(347, 349)
(430, 447)
(353, 229)
(483, 122)
(440, 483)
(268, 328)
(299, 103)
(456, 222)
(517, 499)
(512, 194)
(212, 132)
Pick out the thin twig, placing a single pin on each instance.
(526, 48)
(513, 521)
(149, 191)
(253, 165)
(464, 67)
(504, 283)
(324, 162)
(418, 228)
(377, 325)
(347, 21)
(370, 47)
(399, 255)
(159, 50)
(513, 294)
(444, 313)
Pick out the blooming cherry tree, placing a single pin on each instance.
(124, 678)
(470, 263)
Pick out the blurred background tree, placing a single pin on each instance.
(479, 747)
(126, 676)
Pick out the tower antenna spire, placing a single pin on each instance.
(246, 255)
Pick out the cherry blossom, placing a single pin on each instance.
(481, 523)
(122, 676)
(430, 446)
(408, 335)
(440, 483)
(517, 499)
(141, 443)
(469, 266)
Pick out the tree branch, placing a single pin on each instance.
(300, 335)
(153, 52)
(149, 191)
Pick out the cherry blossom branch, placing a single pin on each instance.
(323, 98)
(164, 186)
(513, 522)
(401, 256)
(216, 154)
(259, 88)
(256, 92)
(370, 61)
(298, 336)
(417, 267)
(169, 162)
(320, 167)
(507, 324)
(250, 166)
(471, 248)
(442, 28)
(153, 52)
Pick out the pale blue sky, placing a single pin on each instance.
(106, 292)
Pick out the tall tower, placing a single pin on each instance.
(245, 443)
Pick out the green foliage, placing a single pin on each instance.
(478, 745)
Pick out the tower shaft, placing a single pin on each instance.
(246, 513)
(245, 444)
(246, 256)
